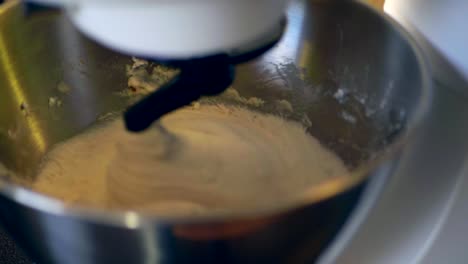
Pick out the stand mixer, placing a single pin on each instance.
(354, 75)
(412, 211)
(204, 39)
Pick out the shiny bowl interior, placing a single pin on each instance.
(353, 77)
(355, 83)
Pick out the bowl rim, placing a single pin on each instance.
(314, 195)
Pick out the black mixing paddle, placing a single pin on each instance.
(207, 77)
(199, 77)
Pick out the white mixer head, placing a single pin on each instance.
(176, 29)
(204, 38)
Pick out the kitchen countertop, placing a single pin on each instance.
(9, 251)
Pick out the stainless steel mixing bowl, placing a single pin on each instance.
(353, 77)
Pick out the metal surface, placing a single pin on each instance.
(447, 240)
(327, 50)
(419, 216)
(414, 205)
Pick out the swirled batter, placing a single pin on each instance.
(198, 160)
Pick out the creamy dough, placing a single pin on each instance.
(198, 160)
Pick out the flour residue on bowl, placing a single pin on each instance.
(198, 160)
(3, 170)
